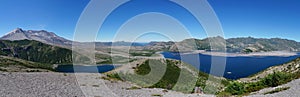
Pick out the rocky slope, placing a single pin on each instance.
(233, 45)
(10, 64)
(67, 85)
(250, 44)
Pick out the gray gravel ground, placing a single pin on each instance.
(49, 84)
(38, 85)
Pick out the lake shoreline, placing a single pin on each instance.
(255, 54)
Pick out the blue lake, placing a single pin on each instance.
(238, 67)
(84, 69)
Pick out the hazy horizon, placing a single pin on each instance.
(156, 40)
(255, 18)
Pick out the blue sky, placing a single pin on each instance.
(239, 18)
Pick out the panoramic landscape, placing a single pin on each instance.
(47, 49)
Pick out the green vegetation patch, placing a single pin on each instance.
(271, 80)
(143, 69)
(113, 76)
(13, 64)
(170, 77)
(147, 53)
(107, 59)
(35, 51)
(168, 80)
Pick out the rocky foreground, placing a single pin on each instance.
(66, 85)
(91, 85)
(38, 85)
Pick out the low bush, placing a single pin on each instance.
(277, 90)
(271, 80)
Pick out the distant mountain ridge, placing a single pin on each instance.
(120, 43)
(41, 35)
(250, 44)
(53, 39)
(234, 45)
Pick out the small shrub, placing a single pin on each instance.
(159, 95)
(114, 76)
(277, 90)
(133, 88)
(96, 86)
(224, 94)
(235, 88)
(271, 80)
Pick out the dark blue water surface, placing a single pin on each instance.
(84, 69)
(239, 67)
